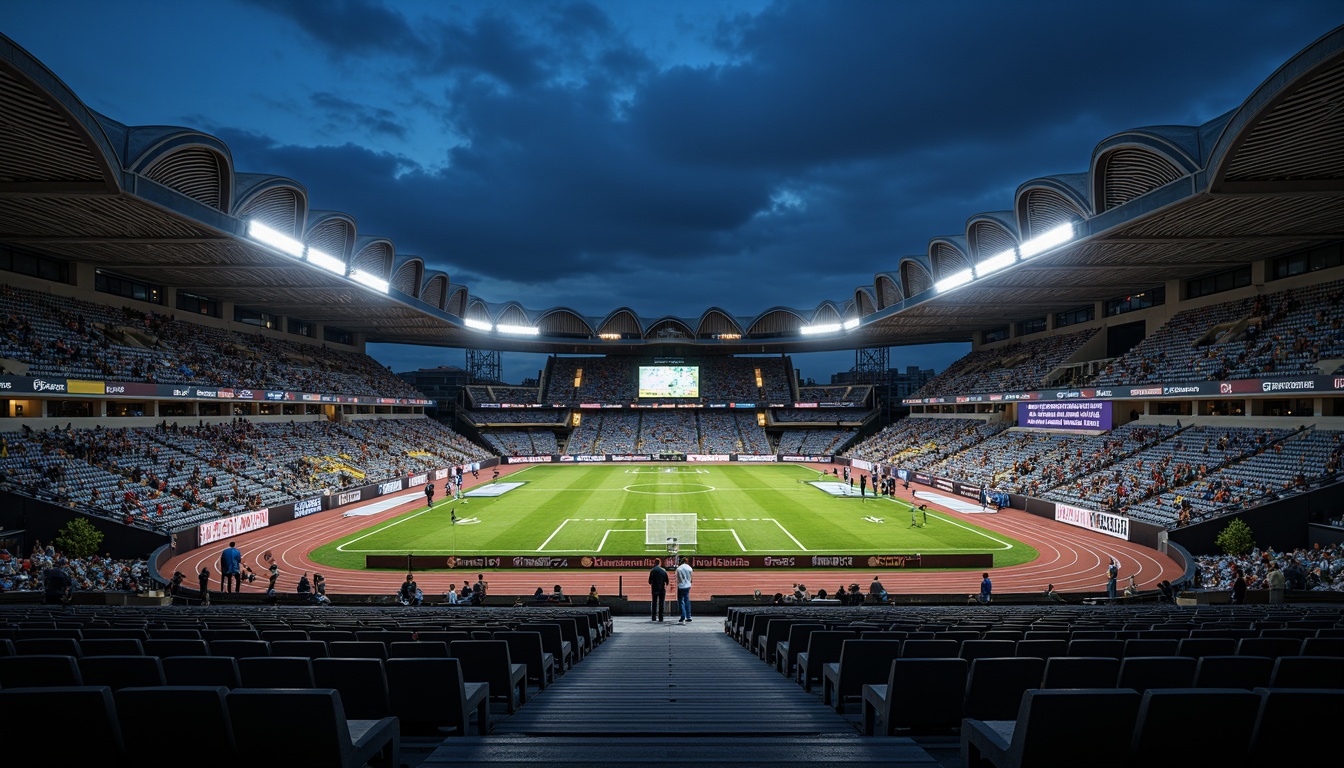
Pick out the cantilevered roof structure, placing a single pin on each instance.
(166, 205)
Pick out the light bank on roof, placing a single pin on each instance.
(165, 205)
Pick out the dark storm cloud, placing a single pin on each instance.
(344, 116)
(349, 27)
(832, 139)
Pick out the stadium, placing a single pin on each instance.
(1157, 352)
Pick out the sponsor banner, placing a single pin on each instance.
(349, 497)
(77, 387)
(415, 480)
(645, 562)
(1101, 522)
(707, 457)
(866, 466)
(903, 474)
(307, 507)
(805, 405)
(923, 478)
(528, 459)
(57, 386)
(757, 457)
(1081, 415)
(439, 474)
(811, 459)
(590, 459)
(630, 457)
(121, 389)
(216, 530)
(390, 486)
(943, 484)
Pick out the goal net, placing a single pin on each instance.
(661, 529)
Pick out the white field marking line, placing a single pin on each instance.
(739, 541)
(563, 523)
(786, 533)
(342, 548)
(950, 521)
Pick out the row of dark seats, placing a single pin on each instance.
(1122, 728)
(92, 725)
(558, 638)
(924, 694)
(426, 695)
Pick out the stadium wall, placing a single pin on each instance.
(42, 520)
(1282, 524)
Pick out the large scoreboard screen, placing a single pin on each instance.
(669, 381)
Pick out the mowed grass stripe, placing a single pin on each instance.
(612, 501)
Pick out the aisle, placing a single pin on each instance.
(681, 692)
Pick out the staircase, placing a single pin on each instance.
(671, 692)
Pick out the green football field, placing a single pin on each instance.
(600, 510)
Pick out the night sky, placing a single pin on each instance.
(667, 156)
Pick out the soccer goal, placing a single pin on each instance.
(662, 530)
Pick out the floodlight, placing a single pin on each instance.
(479, 325)
(525, 330)
(809, 330)
(952, 281)
(1047, 240)
(326, 261)
(851, 324)
(368, 280)
(995, 263)
(274, 238)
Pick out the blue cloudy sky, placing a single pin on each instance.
(668, 156)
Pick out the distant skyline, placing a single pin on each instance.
(669, 157)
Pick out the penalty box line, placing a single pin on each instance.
(601, 545)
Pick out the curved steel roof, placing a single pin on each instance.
(1156, 204)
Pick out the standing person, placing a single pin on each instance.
(205, 584)
(1238, 587)
(231, 568)
(1112, 573)
(1277, 582)
(658, 590)
(684, 573)
(57, 584)
(986, 589)
(275, 576)
(305, 588)
(863, 486)
(924, 510)
(429, 494)
(479, 590)
(914, 519)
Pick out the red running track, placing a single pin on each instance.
(1071, 558)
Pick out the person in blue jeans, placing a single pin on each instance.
(684, 573)
(986, 589)
(231, 568)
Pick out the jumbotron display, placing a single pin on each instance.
(669, 381)
(1073, 414)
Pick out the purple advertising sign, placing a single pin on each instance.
(1069, 414)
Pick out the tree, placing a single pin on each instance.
(1236, 538)
(79, 538)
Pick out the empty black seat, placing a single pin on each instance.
(208, 671)
(212, 746)
(117, 672)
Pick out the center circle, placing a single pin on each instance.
(669, 489)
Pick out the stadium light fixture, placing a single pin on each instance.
(326, 261)
(368, 280)
(479, 325)
(523, 330)
(812, 330)
(610, 336)
(995, 263)
(274, 238)
(954, 280)
(851, 323)
(1047, 240)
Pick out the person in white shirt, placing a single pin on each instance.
(684, 573)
